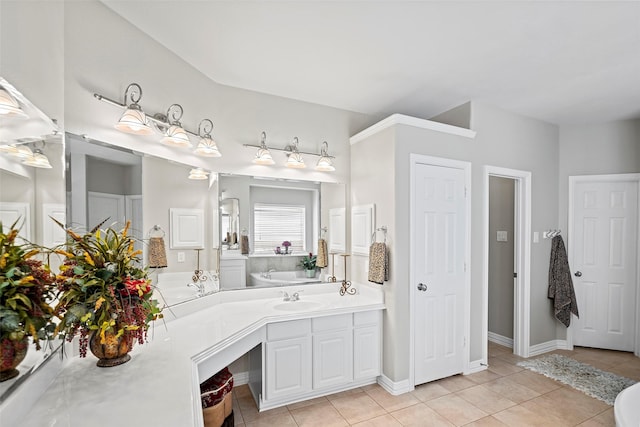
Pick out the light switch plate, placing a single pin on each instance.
(536, 237)
(502, 236)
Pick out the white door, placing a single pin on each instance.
(102, 206)
(440, 211)
(604, 262)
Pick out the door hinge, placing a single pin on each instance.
(515, 275)
(464, 342)
(465, 192)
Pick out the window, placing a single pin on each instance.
(273, 224)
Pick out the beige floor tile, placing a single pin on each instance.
(237, 413)
(241, 391)
(428, 391)
(511, 389)
(280, 420)
(357, 408)
(485, 399)
(570, 405)
(536, 382)
(456, 383)
(628, 370)
(509, 358)
(420, 415)
(320, 415)
(501, 367)
(483, 376)
(309, 402)
(342, 394)
(486, 422)
(604, 419)
(520, 416)
(390, 402)
(382, 421)
(249, 410)
(456, 410)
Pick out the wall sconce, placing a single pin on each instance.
(9, 107)
(295, 160)
(263, 155)
(207, 147)
(34, 158)
(198, 173)
(135, 120)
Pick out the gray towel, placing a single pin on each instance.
(244, 245)
(321, 259)
(560, 284)
(157, 253)
(378, 263)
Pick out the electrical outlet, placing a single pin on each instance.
(181, 257)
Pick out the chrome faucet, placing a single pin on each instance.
(267, 274)
(295, 296)
(286, 296)
(199, 288)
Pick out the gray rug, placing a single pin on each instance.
(602, 385)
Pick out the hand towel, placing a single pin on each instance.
(560, 283)
(157, 253)
(378, 263)
(321, 259)
(244, 245)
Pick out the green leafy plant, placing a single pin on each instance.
(26, 291)
(102, 288)
(308, 262)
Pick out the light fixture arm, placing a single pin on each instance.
(176, 115)
(205, 127)
(131, 91)
(288, 149)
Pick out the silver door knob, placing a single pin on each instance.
(422, 287)
(578, 274)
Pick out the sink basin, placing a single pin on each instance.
(297, 305)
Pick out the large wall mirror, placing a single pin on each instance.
(105, 181)
(30, 193)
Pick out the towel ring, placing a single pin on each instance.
(374, 234)
(156, 229)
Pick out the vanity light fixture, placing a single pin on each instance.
(23, 152)
(38, 160)
(8, 149)
(175, 134)
(133, 120)
(198, 173)
(207, 147)
(295, 160)
(325, 164)
(263, 155)
(9, 107)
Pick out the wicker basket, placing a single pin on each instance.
(216, 415)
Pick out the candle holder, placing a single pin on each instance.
(346, 288)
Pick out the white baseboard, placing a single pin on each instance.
(240, 378)
(548, 346)
(394, 387)
(499, 339)
(475, 366)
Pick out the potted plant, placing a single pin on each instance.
(26, 289)
(308, 262)
(286, 245)
(105, 297)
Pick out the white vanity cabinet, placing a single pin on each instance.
(233, 271)
(307, 358)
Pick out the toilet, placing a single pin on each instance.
(626, 408)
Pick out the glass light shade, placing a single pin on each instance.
(9, 106)
(9, 149)
(38, 160)
(134, 120)
(263, 157)
(176, 136)
(198, 173)
(207, 147)
(325, 164)
(295, 161)
(23, 152)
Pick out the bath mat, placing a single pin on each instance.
(602, 385)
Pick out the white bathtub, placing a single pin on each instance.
(626, 409)
(173, 288)
(282, 278)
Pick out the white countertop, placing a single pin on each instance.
(160, 385)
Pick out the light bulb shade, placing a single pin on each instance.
(295, 161)
(134, 120)
(263, 157)
(23, 152)
(38, 160)
(198, 173)
(176, 136)
(9, 149)
(207, 147)
(9, 106)
(325, 164)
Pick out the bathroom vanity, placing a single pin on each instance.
(320, 344)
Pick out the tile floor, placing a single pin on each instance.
(503, 395)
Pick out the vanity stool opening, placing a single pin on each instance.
(217, 400)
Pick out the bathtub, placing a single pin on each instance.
(282, 278)
(173, 288)
(626, 409)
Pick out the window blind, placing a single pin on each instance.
(273, 224)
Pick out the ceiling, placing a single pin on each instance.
(562, 62)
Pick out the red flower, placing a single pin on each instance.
(136, 286)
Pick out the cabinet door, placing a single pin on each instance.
(366, 352)
(332, 358)
(288, 370)
(233, 274)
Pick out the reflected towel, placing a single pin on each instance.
(321, 259)
(378, 263)
(560, 284)
(157, 253)
(244, 245)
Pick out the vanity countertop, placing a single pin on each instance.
(159, 386)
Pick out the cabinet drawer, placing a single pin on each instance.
(366, 318)
(292, 329)
(330, 323)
